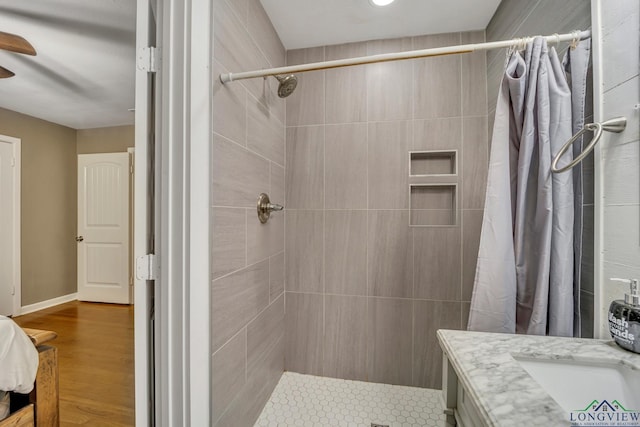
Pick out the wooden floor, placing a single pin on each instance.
(95, 358)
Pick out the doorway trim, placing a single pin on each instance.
(17, 231)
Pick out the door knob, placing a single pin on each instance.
(79, 239)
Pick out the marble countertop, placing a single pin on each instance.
(503, 391)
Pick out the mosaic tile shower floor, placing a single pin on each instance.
(306, 400)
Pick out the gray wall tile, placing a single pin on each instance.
(229, 241)
(262, 31)
(388, 165)
(345, 162)
(621, 36)
(345, 337)
(390, 89)
(239, 175)
(247, 406)
(277, 186)
(437, 263)
(263, 336)
(588, 254)
(305, 106)
(390, 254)
(264, 240)
(228, 373)
(248, 158)
(438, 134)
(233, 46)
(389, 340)
(345, 90)
(375, 47)
(345, 237)
(304, 333)
(236, 299)
(303, 257)
(276, 276)
(265, 133)
(588, 176)
(333, 269)
(236, 50)
(239, 7)
(475, 162)
(438, 197)
(471, 226)
(515, 18)
(431, 217)
(429, 316)
(437, 80)
(466, 307)
(474, 77)
(305, 167)
(505, 22)
(586, 314)
(229, 109)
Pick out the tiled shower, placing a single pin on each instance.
(365, 291)
(353, 279)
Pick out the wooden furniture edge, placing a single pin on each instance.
(23, 417)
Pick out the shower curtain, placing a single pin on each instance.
(525, 272)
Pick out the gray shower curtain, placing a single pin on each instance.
(525, 272)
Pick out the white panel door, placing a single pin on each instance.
(9, 225)
(103, 227)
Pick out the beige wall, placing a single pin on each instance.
(48, 204)
(49, 198)
(105, 140)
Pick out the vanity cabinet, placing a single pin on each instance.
(459, 408)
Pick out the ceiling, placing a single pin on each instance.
(84, 73)
(83, 76)
(308, 23)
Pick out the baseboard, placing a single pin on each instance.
(48, 303)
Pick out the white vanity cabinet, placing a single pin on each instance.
(459, 408)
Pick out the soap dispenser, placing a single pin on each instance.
(624, 318)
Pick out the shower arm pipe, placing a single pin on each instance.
(386, 57)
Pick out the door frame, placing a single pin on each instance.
(17, 231)
(172, 214)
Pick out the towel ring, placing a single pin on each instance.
(617, 125)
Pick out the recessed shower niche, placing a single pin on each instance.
(433, 188)
(436, 162)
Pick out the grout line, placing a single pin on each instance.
(244, 147)
(366, 122)
(240, 269)
(376, 297)
(246, 353)
(324, 223)
(246, 238)
(620, 83)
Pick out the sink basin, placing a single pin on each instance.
(574, 385)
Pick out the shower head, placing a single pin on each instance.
(287, 85)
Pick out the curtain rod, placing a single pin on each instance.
(385, 57)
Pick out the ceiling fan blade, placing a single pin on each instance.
(4, 73)
(16, 43)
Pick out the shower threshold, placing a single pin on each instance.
(307, 400)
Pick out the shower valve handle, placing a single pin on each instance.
(265, 207)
